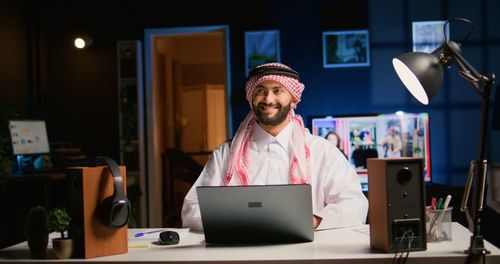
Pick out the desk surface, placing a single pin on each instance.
(340, 245)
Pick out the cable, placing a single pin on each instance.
(410, 239)
(400, 248)
(462, 20)
(410, 235)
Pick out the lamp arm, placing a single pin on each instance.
(482, 83)
(468, 72)
(463, 64)
(476, 177)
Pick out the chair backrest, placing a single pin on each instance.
(180, 171)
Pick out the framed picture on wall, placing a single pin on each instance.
(261, 47)
(346, 49)
(429, 35)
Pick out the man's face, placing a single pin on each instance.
(271, 103)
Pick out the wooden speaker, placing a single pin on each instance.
(89, 186)
(396, 195)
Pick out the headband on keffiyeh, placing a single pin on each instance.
(300, 156)
(281, 73)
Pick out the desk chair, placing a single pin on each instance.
(180, 171)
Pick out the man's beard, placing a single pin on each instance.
(277, 119)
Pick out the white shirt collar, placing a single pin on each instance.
(262, 138)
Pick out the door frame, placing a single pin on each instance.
(153, 158)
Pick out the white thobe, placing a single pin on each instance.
(336, 188)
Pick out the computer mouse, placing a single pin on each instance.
(168, 238)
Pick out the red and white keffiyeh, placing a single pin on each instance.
(300, 156)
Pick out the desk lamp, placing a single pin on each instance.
(422, 74)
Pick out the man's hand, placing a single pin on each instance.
(316, 221)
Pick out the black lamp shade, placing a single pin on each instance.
(421, 73)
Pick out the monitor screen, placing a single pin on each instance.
(379, 136)
(28, 137)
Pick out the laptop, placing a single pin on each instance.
(256, 214)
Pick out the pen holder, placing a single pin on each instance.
(438, 224)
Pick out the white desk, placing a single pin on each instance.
(330, 246)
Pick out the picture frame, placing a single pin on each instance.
(350, 48)
(428, 35)
(261, 47)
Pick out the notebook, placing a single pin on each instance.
(256, 213)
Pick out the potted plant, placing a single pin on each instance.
(37, 231)
(59, 221)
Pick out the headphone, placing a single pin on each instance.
(273, 70)
(116, 209)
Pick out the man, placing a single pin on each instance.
(272, 146)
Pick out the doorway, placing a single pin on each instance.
(187, 79)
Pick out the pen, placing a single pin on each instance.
(439, 203)
(447, 201)
(433, 203)
(141, 234)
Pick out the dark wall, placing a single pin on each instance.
(77, 91)
(79, 96)
(13, 62)
(83, 89)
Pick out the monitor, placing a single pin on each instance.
(379, 136)
(28, 137)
